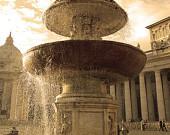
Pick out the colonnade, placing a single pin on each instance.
(148, 98)
(6, 97)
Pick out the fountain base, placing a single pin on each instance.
(85, 107)
(86, 118)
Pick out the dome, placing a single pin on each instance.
(10, 56)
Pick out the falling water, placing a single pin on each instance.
(37, 97)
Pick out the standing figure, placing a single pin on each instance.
(164, 126)
(161, 125)
(110, 123)
(13, 131)
(124, 130)
(142, 124)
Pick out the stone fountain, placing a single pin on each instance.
(86, 65)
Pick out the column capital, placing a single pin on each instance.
(142, 73)
(149, 74)
(164, 72)
(157, 71)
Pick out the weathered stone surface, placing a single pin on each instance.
(107, 59)
(94, 18)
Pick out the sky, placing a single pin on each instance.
(24, 19)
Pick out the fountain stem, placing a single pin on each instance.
(85, 27)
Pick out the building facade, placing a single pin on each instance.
(147, 97)
(10, 69)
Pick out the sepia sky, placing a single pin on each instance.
(24, 19)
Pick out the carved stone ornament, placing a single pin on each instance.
(64, 123)
(159, 44)
(110, 125)
(168, 40)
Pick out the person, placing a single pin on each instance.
(164, 126)
(142, 124)
(161, 125)
(118, 129)
(124, 130)
(13, 131)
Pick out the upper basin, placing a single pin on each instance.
(100, 58)
(96, 17)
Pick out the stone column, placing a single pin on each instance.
(160, 96)
(19, 102)
(143, 97)
(128, 104)
(13, 101)
(3, 104)
(150, 98)
(6, 97)
(134, 101)
(119, 94)
(113, 91)
(166, 94)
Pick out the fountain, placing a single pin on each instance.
(86, 65)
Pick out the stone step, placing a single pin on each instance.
(148, 133)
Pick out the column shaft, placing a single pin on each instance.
(13, 101)
(113, 91)
(134, 101)
(150, 98)
(128, 104)
(166, 95)
(6, 97)
(119, 98)
(160, 96)
(143, 97)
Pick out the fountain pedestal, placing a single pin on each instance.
(85, 107)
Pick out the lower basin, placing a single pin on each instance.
(97, 58)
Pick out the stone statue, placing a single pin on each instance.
(110, 123)
(163, 44)
(65, 124)
(138, 45)
(168, 40)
